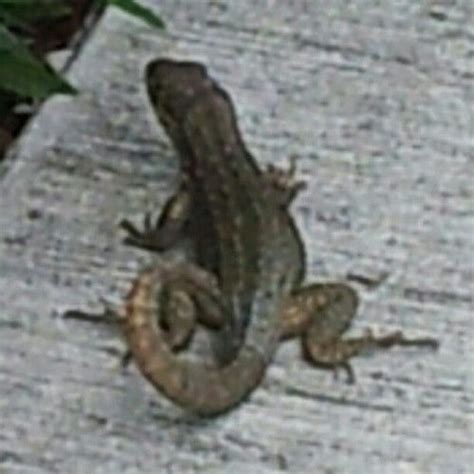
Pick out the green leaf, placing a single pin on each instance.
(139, 11)
(25, 75)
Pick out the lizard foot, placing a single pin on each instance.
(337, 353)
(109, 315)
(283, 181)
(168, 228)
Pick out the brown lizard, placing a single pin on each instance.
(248, 266)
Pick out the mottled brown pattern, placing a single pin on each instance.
(250, 260)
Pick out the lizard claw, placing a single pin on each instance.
(147, 239)
(283, 181)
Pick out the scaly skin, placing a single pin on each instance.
(248, 261)
(241, 234)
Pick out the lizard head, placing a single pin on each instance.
(172, 87)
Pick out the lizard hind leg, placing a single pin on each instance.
(327, 309)
(320, 314)
(185, 300)
(325, 312)
(177, 317)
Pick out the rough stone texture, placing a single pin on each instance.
(376, 100)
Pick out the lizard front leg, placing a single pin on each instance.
(168, 229)
(282, 182)
(320, 314)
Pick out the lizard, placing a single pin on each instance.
(244, 281)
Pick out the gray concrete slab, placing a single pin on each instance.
(376, 100)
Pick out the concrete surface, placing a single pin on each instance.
(376, 100)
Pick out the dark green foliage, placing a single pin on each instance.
(23, 73)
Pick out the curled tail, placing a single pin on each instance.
(196, 386)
